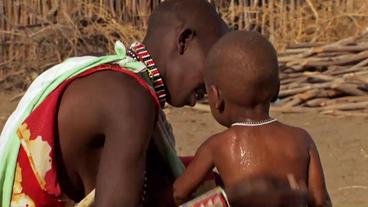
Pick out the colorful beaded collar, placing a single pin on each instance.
(139, 52)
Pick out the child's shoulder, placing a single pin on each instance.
(219, 139)
(297, 132)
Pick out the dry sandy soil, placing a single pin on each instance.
(342, 143)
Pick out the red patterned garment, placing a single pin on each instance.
(213, 198)
(36, 182)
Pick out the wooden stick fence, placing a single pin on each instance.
(36, 34)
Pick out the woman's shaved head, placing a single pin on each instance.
(199, 15)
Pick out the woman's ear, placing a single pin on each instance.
(185, 36)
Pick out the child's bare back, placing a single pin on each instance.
(274, 150)
(241, 80)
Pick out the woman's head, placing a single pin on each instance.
(180, 34)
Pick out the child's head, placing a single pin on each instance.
(241, 75)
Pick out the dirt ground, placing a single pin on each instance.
(342, 143)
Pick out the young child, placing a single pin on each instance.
(241, 81)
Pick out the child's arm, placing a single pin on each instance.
(192, 177)
(318, 195)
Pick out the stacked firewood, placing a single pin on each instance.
(328, 78)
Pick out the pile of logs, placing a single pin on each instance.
(329, 78)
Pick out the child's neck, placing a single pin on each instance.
(259, 112)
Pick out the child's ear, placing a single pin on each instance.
(218, 100)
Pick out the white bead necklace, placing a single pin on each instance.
(254, 123)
